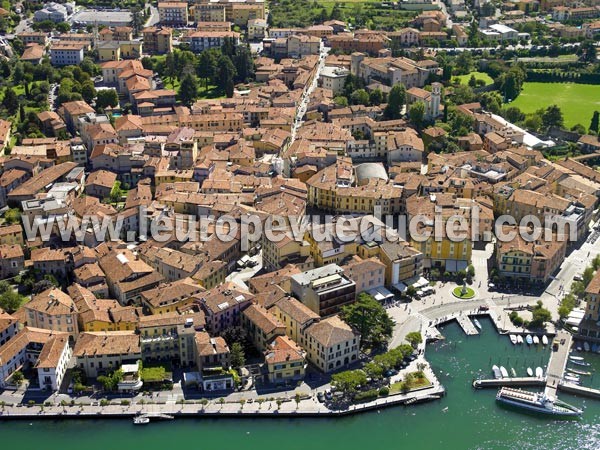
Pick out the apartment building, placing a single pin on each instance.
(53, 310)
(173, 13)
(331, 344)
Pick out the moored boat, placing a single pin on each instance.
(513, 372)
(586, 346)
(519, 339)
(571, 380)
(536, 340)
(580, 372)
(497, 373)
(513, 339)
(545, 340)
(535, 402)
(504, 372)
(539, 372)
(477, 324)
(576, 358)
(529, 339)
(141, 420)
(580, 363)
(530, 371)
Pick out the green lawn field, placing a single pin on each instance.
(464, 79)
(577, 101)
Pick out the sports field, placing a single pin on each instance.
(576, 101)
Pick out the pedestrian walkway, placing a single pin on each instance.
(467, 325)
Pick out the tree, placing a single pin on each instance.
(540, 315)
(106, 98)
(347, 382)
(578, 128)
(10, 101)
(63, 27)
(587, 275)
(233, 335)
(552, 117)
(373, 370)
(226, 73)
(360, 97)
(340, 101)
(510, 83)
(414, 338)
(116, 193)
(396, 100)
(514, 114)
(376, 97)
(370, 319)
(88, 91)
(11, 300)
(238, 359)
(595, 123)
(18, 377)
(206, 68)
(188, 91)
(416, 113)
(12, 216)
(472, 80)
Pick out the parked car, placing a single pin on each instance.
(320, 397)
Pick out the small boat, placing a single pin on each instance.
(578, 348)
(497, 373)
(513, 339)
(571, 379)
(530, 371)
(595, 348)
(477, 324)
(573, 375)
(513, 372)
(576, 358)
(545, 340)
(529, 339)
(539, 372)
(519, 339)
(536, 340)
(532, 401)
(504, 372)
(580, 363)
(580, 372)
(141, 420)
(586, 346)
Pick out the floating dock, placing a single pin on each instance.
(501, 382)
(558, 362)
(467, 325)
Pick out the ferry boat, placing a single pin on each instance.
(536, 402)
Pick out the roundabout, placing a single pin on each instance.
(463, 292)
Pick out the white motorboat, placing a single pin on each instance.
(580, 372)
(530, 371)
(573, 375)
(504, 372)
(536, 340)
(529, 339)
(571, 379)
(576, 358)
(539, 372)
(141, 420)
(477, 324)
(513, 339)
(497, 373)
(513, 372)
(545, 340)
(519, 339)
(586, 346)
(580, 363)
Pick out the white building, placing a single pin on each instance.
(53, 361)
(333, 78)
(54, 12)
(499, 32)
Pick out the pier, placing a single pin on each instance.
(512, 382)
(467, 325)
(558, 362)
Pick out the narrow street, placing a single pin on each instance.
(301, 109)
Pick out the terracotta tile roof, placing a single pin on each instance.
(107, 343)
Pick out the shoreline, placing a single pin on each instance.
(196, 410)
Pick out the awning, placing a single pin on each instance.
(400, 287)
(380, 294)
(421, 282)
